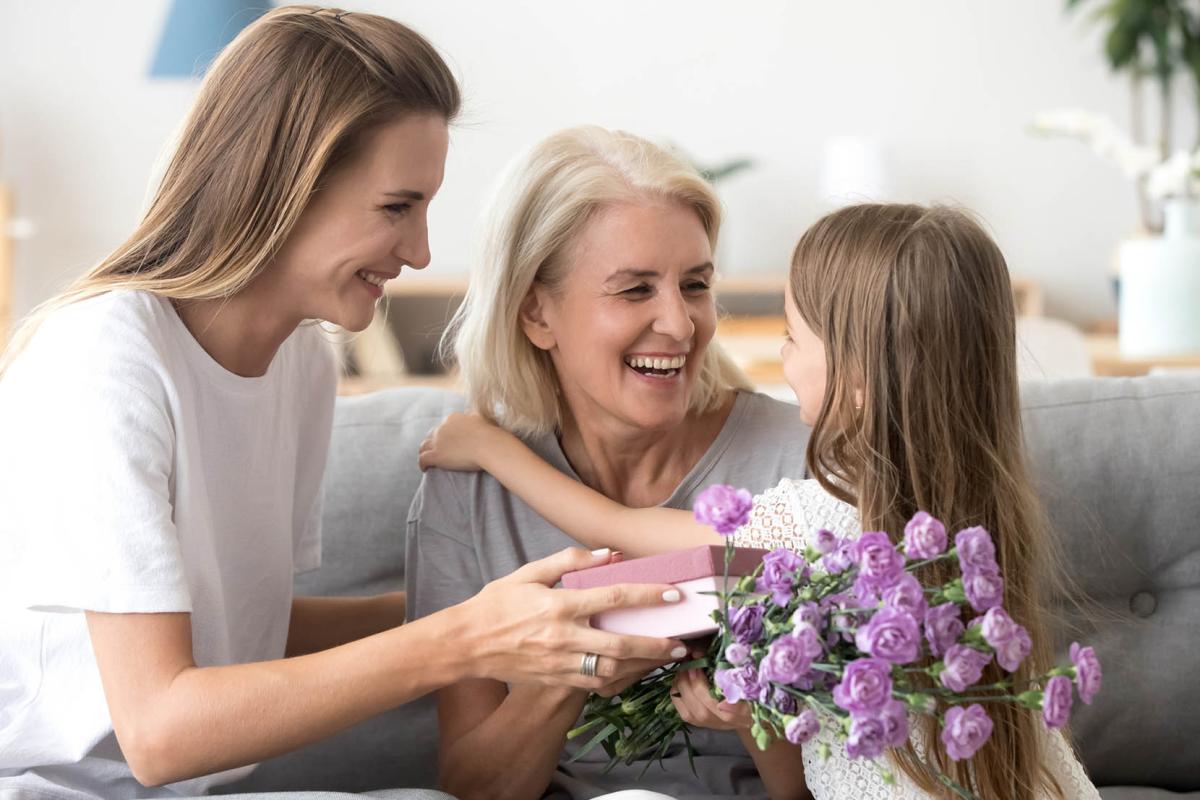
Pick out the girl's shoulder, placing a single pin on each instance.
(789, 513)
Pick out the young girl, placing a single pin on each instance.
(900, 347)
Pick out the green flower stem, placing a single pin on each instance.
(946, 556)
(584, 728)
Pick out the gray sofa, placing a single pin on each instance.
(1118, 465)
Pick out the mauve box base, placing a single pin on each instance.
(697, 572)
(687, 619)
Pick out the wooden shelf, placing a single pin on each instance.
(1108, 361)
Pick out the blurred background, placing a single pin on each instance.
(809, 104)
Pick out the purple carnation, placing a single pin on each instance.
(841, 625)
(740, 683)
(782, 702)
(907, 595)
(737, 653)
(804, 727)
(880, 565)
(976, 552)
(807, 614)
(895, 724)
(963, 667)
(892, 634)
(839, 559)
(965, 731)
(1011, 653)
(924, 537)
(724, 508)
(790, 656)
(866, 686)
(942, 627)
(824, 542)
(746, 623)
(867, 737)
(997, 627)
(984, 590)
(1087, 671)
(778, 577)
(1056, 702)
(1010, 641)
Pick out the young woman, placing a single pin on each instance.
(164, 425)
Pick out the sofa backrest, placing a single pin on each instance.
(371, 479)
(1118, 467)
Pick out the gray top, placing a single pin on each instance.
(465, 530)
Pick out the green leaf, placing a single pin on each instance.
(691, 751)
(605, 732)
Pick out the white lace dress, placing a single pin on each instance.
(786, 516)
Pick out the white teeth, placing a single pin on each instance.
(372, 278)
(641, 362)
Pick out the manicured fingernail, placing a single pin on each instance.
(672, 595)
(679, 652)
(617, 555)
(602, 552)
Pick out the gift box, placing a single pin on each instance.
(697, 572)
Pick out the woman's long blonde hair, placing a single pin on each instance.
(915, 310)
(539, 211)
(286, 103)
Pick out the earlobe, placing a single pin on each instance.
(533, 320)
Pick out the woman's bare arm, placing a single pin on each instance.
(319, 623)
(176, 720)
(496, 744)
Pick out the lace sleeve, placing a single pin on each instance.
(773, 521)
(1065, 766)
(840, 778)
(788, 515)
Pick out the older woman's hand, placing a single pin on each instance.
(519, 630)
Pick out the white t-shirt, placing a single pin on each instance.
(138, 475)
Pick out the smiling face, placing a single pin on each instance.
(804, 367)
(629, 324)
(367, 222)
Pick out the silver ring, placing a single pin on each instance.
(587, 666)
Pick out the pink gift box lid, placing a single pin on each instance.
(674, 567)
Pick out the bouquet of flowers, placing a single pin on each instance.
(843, 636)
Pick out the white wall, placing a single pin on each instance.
(947, 86)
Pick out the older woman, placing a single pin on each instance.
(588, 331)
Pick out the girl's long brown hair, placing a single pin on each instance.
(915, 310)
(286, 103)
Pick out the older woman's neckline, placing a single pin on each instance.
(638, 474)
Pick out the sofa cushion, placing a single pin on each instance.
(1118, 467)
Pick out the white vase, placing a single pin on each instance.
(1159, 307)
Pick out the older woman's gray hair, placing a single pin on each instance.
(544, 203)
